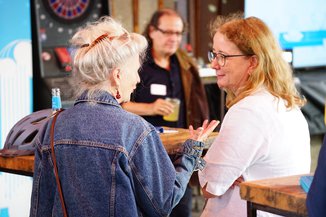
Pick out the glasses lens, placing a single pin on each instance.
(220, 59)
(211, 56)
(170, 33)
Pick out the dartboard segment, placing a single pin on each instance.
(68, 10)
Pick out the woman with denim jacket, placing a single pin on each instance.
(110, 162)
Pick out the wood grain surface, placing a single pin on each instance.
(283, 193)
(24, 165)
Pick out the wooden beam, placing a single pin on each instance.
(160, 4)
(135, 13)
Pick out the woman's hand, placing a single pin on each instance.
(201, 133)
(237, 182)
(208, 195)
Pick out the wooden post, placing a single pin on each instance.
(135, 13)
(160, 4)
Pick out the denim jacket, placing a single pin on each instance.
(110, 162)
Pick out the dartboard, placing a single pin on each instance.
(68, 10)
(60, 19)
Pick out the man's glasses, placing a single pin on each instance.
(169, 33)
(221, 58)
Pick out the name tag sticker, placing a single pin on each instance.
(158, 89)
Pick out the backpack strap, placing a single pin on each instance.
(55, 164)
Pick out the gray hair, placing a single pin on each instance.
(100, 47)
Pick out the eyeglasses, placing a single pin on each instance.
(222, 57)
(169, 33)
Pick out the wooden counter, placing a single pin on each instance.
(176, 137)
(282, 196)
(24, 165)
(21, 165)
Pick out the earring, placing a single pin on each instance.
(118, 96)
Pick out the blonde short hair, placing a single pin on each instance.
(100, 47)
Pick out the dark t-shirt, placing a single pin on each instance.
(316, 199)
(157, 82)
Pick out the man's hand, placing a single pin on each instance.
(162, 107)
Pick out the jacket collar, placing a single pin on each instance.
(183, 59)
(99, 96)
(150, 59)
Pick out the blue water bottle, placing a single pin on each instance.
(56, 100)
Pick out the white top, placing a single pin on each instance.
(259, 138)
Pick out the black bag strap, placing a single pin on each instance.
(55, 164)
